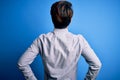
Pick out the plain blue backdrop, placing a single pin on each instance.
(21, 21)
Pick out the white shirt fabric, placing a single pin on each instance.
(60, 51)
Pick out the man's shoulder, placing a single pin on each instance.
(76, 35)
(44, 35)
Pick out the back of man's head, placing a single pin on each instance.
(61, 13)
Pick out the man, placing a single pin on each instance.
(60, 50)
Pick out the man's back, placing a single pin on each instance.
(60, 53)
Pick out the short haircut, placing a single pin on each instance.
(61, 13)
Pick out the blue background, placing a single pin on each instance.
(21, 21)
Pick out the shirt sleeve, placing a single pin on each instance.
(27, 58)
(92, 59)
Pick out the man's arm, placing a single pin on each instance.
(27, 58)
(92, 60)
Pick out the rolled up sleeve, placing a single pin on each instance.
(92, 59)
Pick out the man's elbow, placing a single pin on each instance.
(20, 63)
(98, 64)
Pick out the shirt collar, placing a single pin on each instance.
(56, 30)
